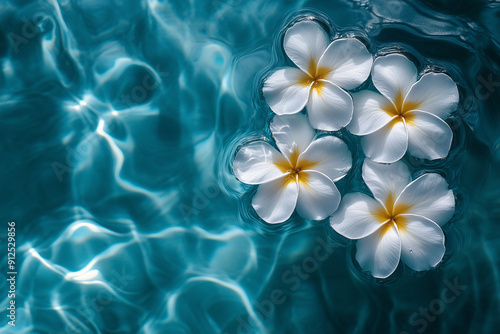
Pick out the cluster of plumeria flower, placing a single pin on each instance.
(406, 113)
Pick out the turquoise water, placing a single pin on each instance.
(119, 123)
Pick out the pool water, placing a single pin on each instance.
(119, 124)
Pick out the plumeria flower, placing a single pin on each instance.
(300, 175)
(324, 70)
(402, 222)
(407, 115)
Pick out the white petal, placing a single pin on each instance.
(429, 137)
(304, 44)
(355, 218)
(379, 252)
(329, 107)
(386, 182)
(388, 144)
(349, 61)
(422, 243)
(292, 134)
(255, 163)
(328, 155)
(436, 93)
(275, 201)
(429, 196)
(393, 75)
(318, 196)
(285, 92)
(368, 115)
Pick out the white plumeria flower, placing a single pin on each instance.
(403, 221)
(408, 115)
(301, 174)
(324, 69)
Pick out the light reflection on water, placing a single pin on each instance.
(120, 120)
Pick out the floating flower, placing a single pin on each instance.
(403, 221)
(408, 115)
(325, 70)
(301, 174)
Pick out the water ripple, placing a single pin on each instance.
(120, 122)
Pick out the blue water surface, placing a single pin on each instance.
(119, 120)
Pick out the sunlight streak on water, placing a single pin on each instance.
(120, 121)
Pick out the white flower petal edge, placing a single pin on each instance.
(329, 107)
(330, 156)
(385, 182)
(304, 43)
(379, 253)
(393, 75)
(318, 196)
(275, 201)
(368, 115)
(349, 60)
(429, 196)
(389, 144)
(285, 91)
(422, 243)
(429, 137)
(255, 163)
(435, 93)
(301, 176)
(406, 224)
(292, 134)
(354, 219)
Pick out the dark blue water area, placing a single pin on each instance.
(119, 122)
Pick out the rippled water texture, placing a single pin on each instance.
(119, 121)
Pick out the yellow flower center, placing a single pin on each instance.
(391, 214)
(401, 108)
(295, 168)
(315, 76)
